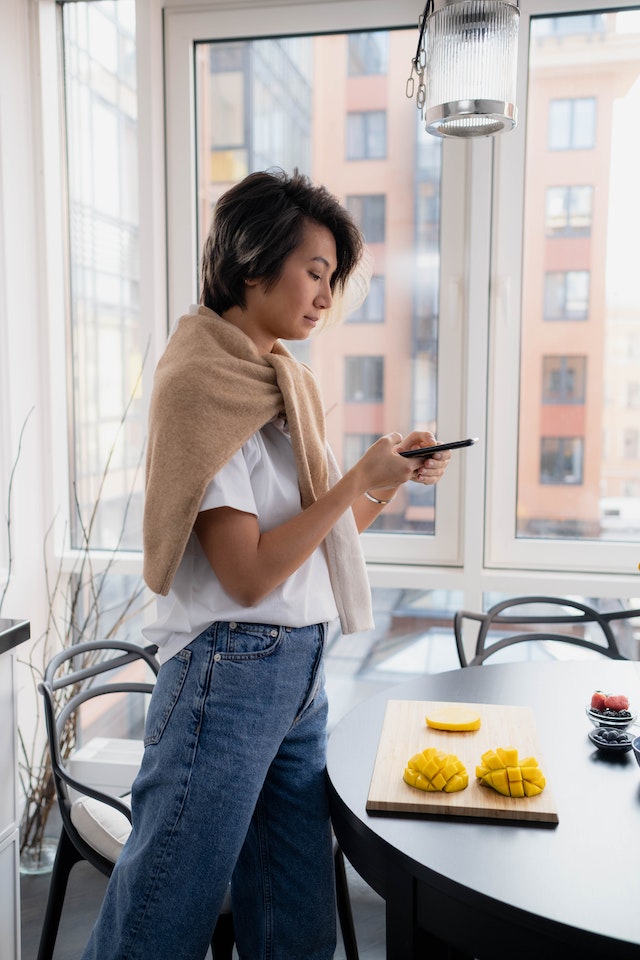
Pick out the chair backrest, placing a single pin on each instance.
(545, 624)
(72, 678)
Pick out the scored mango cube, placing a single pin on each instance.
(433, 770)
(501, 770)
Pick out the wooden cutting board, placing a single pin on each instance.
(405, 733)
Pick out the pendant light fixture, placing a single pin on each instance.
(465, 66)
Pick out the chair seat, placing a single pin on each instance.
(106, 830)
(103, 827)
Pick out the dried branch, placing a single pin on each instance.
(9, 502)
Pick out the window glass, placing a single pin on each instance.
(561, 460)
(569, 211)
(368, 53)
(581, 212)
(572, 123)
(364, 379)
(563, 379)
(324, 104)
(372, 309)
(106, 334)
(369, 212)
(566, 295)
(366, 135)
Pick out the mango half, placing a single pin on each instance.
(501, 770)
(434, 770)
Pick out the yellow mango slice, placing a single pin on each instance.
(501, 770)
(433, 770)
(453, 717)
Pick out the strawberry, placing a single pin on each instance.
(618, 702)
(597, 700)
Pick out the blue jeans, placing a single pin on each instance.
(231, 788)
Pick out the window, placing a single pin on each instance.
(566, 295)
(368, 53)
(366, 135)
(107, 330)
(291, 100)
(572, 124)
(372, 310)
(582, 74)
(569, 211)
(563, 380)
(631, 445)
(369, 212)
(633, 394)
(572, 25)
(561, 460)
(364, 379)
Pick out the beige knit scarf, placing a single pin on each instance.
(212, 391)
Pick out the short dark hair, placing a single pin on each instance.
(258, 222)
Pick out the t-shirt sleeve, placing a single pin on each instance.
(231, 487)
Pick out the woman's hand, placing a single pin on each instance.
(431, 469)
(377, 459)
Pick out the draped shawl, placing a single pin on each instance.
(212, 391)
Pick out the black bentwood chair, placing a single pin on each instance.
(541, 618)
(96, 825)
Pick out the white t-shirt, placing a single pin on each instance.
(259, 479)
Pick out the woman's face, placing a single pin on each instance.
(291, 309)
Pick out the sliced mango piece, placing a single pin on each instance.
(453, 717)
(433, 770)
(501, 770)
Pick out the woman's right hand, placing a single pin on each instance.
(381, 466)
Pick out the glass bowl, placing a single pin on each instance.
(636, 748)
(618, 723)
(611, 746)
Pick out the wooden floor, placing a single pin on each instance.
(356, 667)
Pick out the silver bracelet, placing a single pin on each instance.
(382, 503)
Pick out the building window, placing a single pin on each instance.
(364, 379)
(372, 310)
(368, 53)
(631, 449)
(633, 394)
(563, 379)
(355, 446)
(369, 212)
(571, 26)
(572, 124)
(566, 295)
(569, 211)
(367, 135)
(561, 460)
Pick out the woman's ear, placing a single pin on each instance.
(251, 282)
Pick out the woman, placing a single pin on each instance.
(251, 543)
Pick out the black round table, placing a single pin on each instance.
(499, 890)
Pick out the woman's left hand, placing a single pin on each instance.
(431, 469)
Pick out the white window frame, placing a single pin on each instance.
(503, 549)
(185, 26)
(474, 549)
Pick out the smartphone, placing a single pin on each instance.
(429, 451)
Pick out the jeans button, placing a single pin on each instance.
(233, 625)
(217, 657)
(274, 633)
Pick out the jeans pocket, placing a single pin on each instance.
(250, 640)
(166, 694)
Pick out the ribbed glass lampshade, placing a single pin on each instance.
(471, 49)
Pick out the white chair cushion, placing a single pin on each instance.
(106, 830)
(103, 827)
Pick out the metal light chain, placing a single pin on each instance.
(419, 63)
